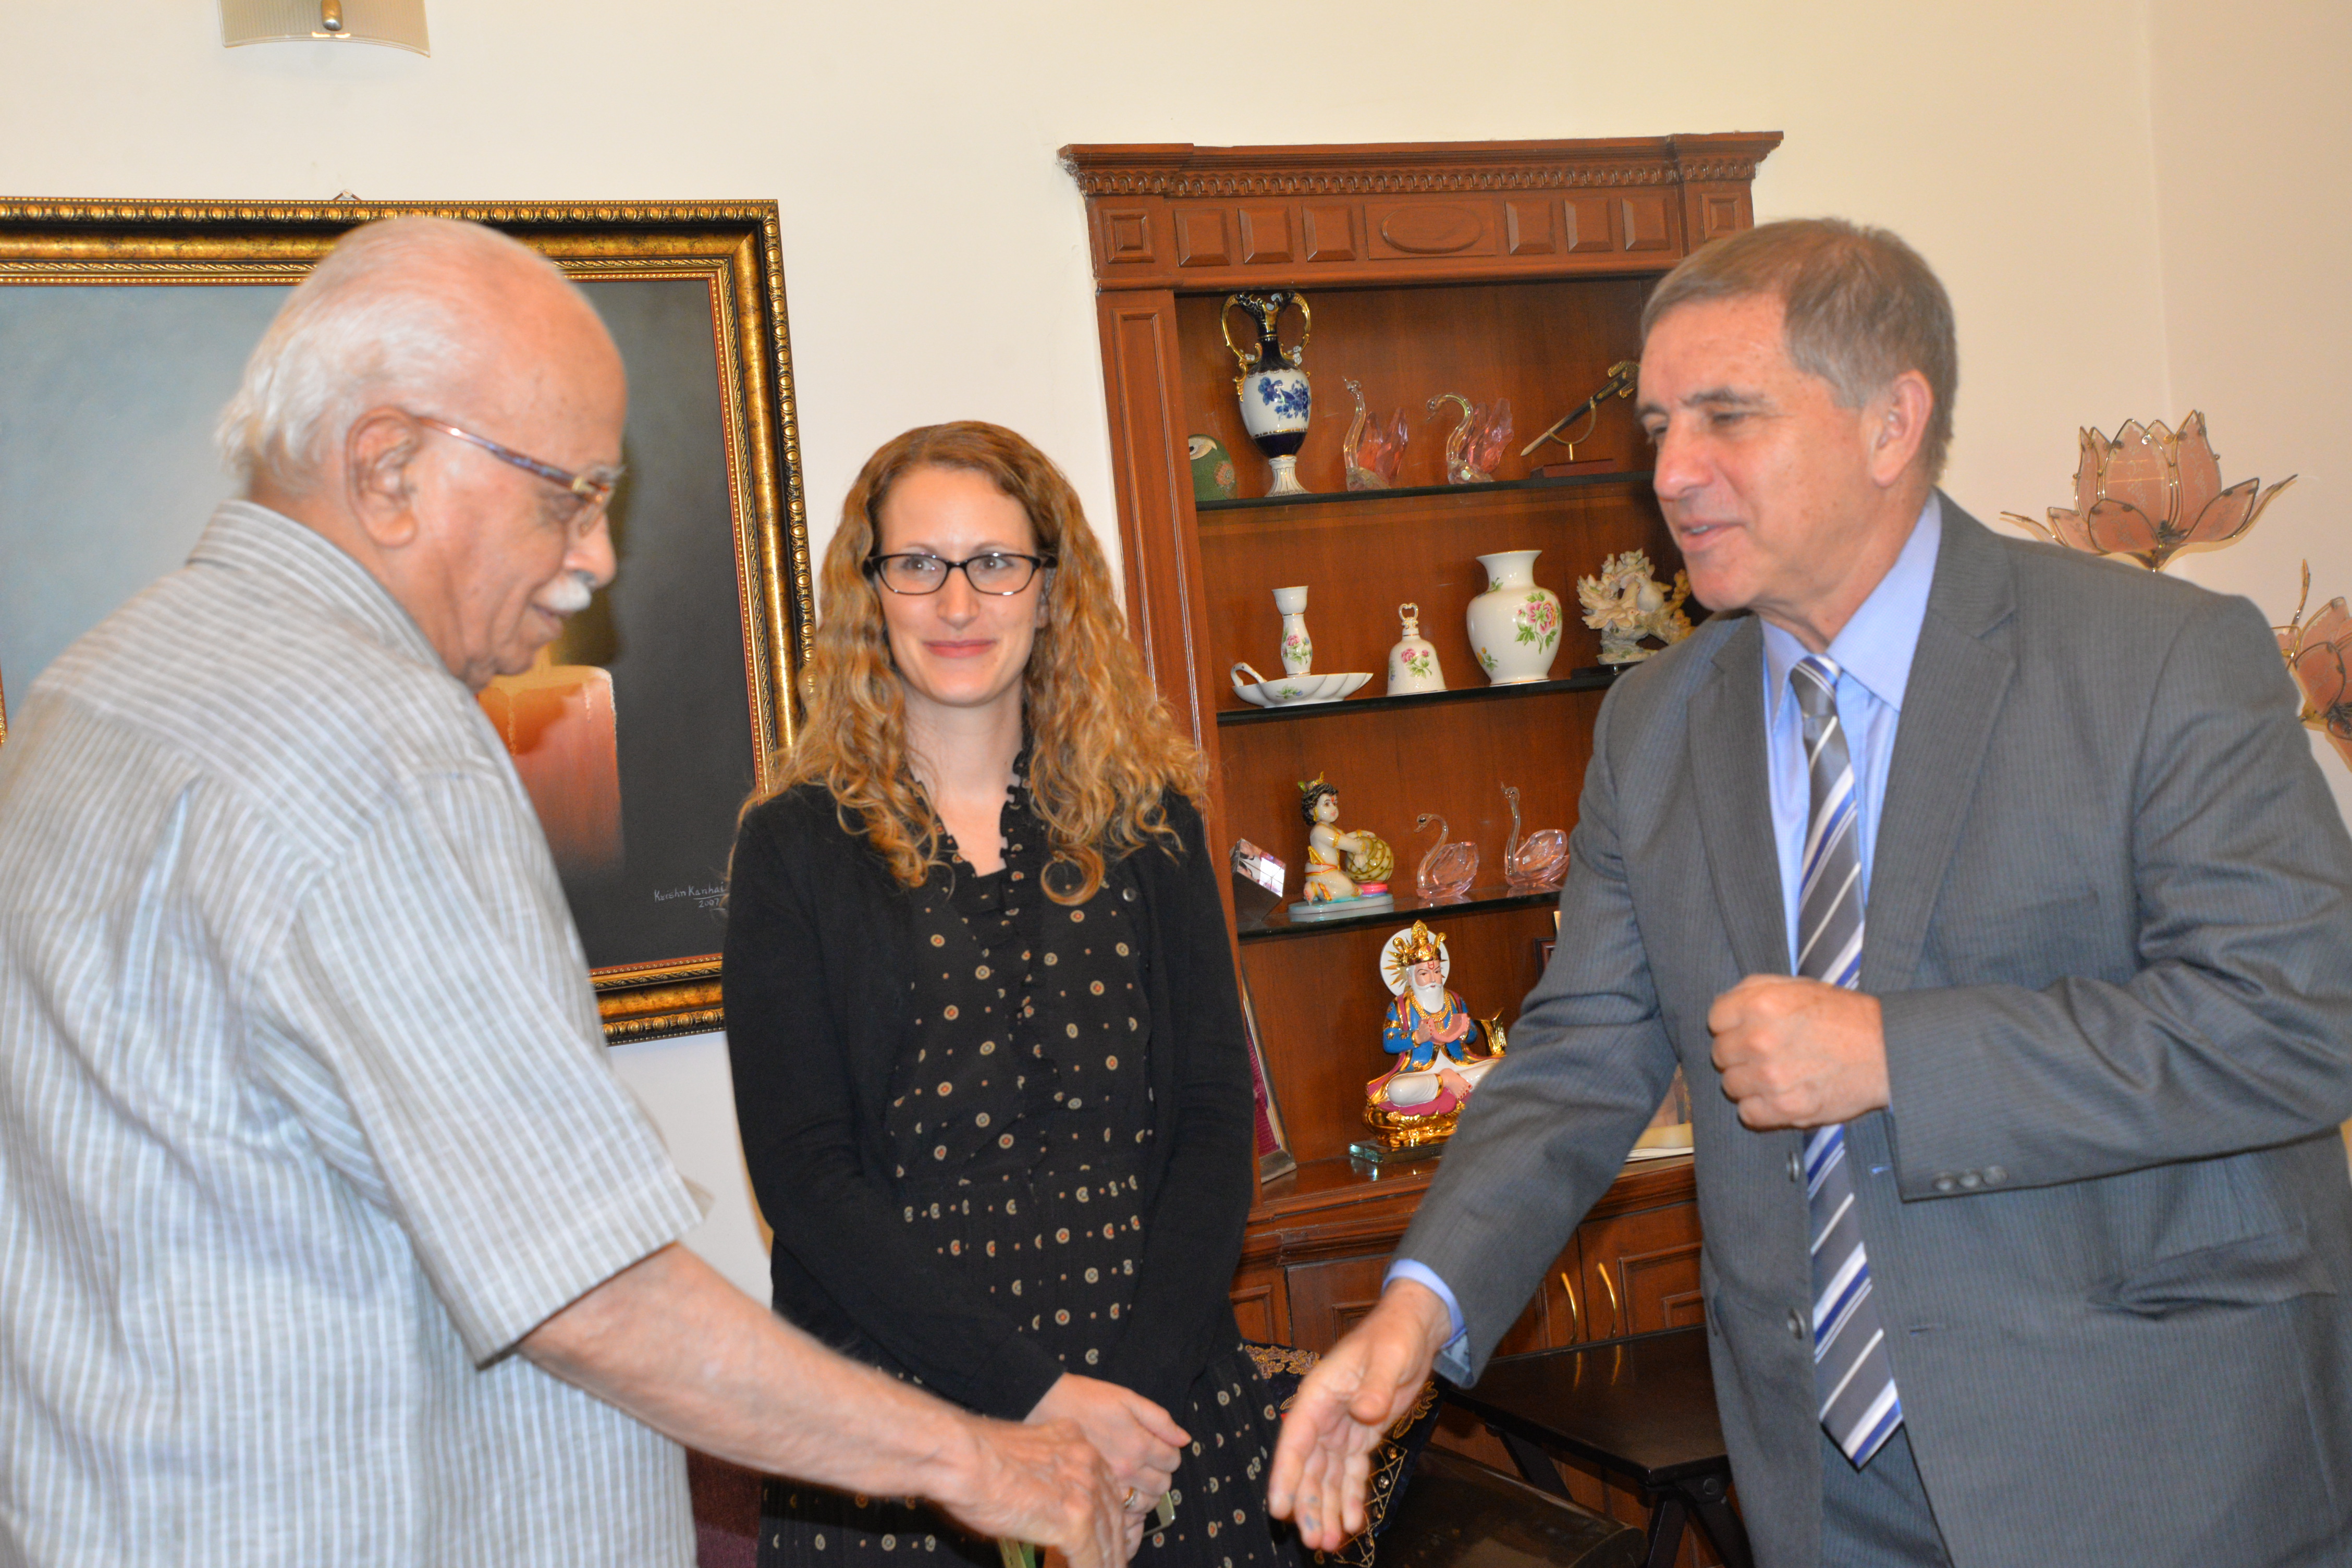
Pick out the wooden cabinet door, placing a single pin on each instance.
(1262, 1305)
(1567, 1317)
(1327, 1299)
(1640, 1271)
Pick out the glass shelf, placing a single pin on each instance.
(1409, 907)
(1374, 498)
(1596, 679)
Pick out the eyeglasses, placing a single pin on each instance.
(997, 572)
(593, 490)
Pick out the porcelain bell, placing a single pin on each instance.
(1412, 663)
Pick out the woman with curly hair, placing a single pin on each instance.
(988, 1058)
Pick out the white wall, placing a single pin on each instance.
(935, 255)
(2251, 120)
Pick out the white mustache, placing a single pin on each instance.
(569, 593)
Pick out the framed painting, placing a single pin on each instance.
(125, 327)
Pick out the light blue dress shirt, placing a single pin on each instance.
(1873, 653)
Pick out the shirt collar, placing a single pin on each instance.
(1875, 647)
(246, 536)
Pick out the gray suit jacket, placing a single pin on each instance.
(2110, 924)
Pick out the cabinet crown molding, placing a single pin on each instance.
(1182, 169)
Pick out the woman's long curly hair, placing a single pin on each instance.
(1102, 747)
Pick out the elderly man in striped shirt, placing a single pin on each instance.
(326, 1234)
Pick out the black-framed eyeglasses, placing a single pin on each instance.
(593, 490)
(998, 571)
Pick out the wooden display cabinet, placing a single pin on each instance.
(1494, 269)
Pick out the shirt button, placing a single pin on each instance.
(1971, 1180)
(1796, 1324)
(1796, 1165)
(1947, 1184)
(1995, 1174)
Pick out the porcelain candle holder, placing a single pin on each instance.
(1294, 690)
(1514, 625)
(1297, 647)
(1412, 663)
(1275, 396)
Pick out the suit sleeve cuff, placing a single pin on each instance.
(1454, 1355)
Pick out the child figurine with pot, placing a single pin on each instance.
(1348, 867)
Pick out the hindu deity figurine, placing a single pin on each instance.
(1341, 863)
(1430, 1032)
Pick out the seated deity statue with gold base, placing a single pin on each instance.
(1413, 1106)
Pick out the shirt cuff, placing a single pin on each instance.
(1424, 1275)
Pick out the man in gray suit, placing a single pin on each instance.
(1991, 900)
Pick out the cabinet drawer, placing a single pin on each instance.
(1327, 1300)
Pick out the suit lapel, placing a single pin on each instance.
(1960, 679)
(1726, 740)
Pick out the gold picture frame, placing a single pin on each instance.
(116, 368)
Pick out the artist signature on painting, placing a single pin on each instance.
(704, 898)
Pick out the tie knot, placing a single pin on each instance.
(1814, 681)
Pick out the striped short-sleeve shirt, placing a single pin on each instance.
(304, 1114)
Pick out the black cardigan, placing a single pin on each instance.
(820, 942)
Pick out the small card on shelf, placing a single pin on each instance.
(1258, 879)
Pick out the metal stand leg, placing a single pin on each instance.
(1666, 1529)
(1535, 1466)
(1710, 1502)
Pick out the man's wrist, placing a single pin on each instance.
(952, 1454)
(1426, 1310)
(1404, 1270)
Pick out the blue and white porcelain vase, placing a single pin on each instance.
(1274, 394)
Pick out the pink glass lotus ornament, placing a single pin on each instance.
(1447, 870)
(1536, 863)
(1372, 450)
(1473, 448)
(2150, 494)
(2319, 656)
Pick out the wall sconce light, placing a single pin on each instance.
(400, 23)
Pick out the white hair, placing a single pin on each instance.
(384, 315)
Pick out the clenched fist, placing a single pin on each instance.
(1799, 1053)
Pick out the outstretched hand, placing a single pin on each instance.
(1042, 1483)
(1347, 1401)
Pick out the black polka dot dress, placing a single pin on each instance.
(1019, 1116)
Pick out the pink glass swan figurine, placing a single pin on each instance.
(1536, 863)
(1448, 869)
(1372, 450)
(1482, 449)
(1475, 446)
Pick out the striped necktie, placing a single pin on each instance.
(1854, 1380)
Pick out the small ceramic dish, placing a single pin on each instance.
(1293, 690)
